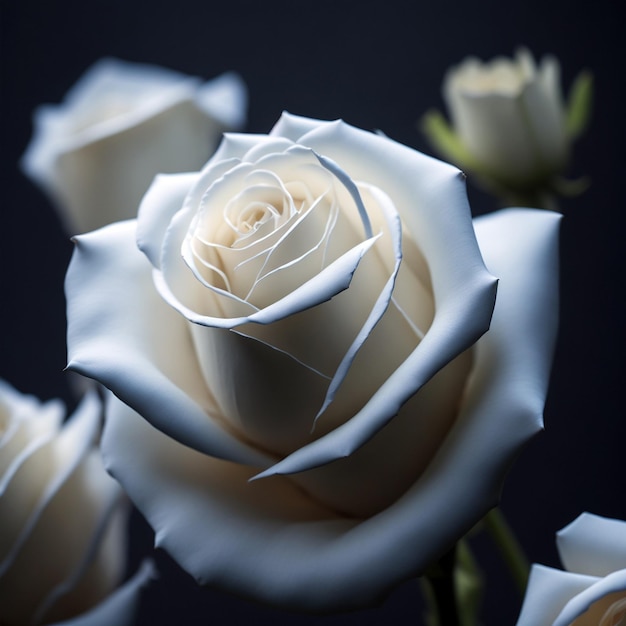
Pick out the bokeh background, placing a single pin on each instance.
(378, 65)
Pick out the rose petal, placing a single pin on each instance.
(100, 569)
(25, 424)
(34, 478)
(115, 335)
(224, 99)
(164, 198)
(590, 605)
(547, 593)
(593, 545)
(120, 607)
(237, 146)
(74, 527)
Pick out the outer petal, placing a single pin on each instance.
(115, 335)
(267, 540)
(433, 204)
(164, 198)
(548, 591)
(593, 545)
(225, 99)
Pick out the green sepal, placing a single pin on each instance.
(579, 104)
(444, 140)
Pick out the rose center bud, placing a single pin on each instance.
(272, 232)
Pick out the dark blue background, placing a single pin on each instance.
(376, 65)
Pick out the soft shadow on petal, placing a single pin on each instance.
(115, 335)
(593, 545)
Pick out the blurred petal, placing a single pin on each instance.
(548, 591)
(593, 545)
(120, 607)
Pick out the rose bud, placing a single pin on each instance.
(510, 126)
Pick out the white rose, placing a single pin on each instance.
(510, 126)
(592, 592)
(62, 519)
(120, 125)
(309, 304)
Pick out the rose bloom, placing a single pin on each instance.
(510, 117)
(592, 592)
(120, 125)
(62, 518)
(304, 312)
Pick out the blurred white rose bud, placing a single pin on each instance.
(510, 126)
(96, 153)
(62, 519)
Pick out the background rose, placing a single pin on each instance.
(120, 125)
(510, 125)
(360, 327)
(592, 592)
(62, 519)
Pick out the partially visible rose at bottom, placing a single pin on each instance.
(62, 519)
(592, 590)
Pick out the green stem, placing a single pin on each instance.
(509, 547)
(441, 581)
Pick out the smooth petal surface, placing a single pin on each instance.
(593, 545)
(548, 591)
(225, 99)
(211, 519)
(163, 199)
(115, 335)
